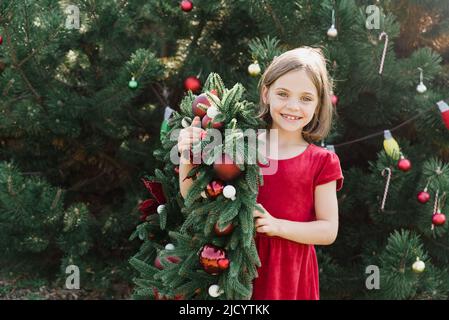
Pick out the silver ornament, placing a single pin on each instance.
(229, 192)
(160, 208)
(169, 246)
(332, 32)
(215, 291)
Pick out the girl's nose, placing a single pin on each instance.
(294, 104)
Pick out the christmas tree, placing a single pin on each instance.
(390, 242)
(85, 85)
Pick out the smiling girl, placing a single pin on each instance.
(299, 199)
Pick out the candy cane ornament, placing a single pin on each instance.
(383, 34)
(386, 186)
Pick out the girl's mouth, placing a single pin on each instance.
(290, 117)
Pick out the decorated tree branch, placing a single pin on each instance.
(213, 253)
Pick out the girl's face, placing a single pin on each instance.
(293, 99)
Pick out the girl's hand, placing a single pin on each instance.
(190, 135)
(266, 223)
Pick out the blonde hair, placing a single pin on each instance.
(313, 62)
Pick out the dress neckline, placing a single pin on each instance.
(294, 157)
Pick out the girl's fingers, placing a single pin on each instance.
(257, 214)
(196, 122)
(260, 222)
(262, 229)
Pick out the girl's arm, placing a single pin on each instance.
(184, 185)
(323, 231)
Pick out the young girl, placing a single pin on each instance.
(299, 199)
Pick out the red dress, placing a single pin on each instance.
(289, 270)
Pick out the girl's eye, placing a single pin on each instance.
(282, 94)
(306, 98)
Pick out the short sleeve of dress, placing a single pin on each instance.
(330, 170)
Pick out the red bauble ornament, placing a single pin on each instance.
(334, 100)
(423, 196)
(1, 39)
(172, 259)
(207, 122)
(177, 170)
(438, 219)
(213, 259)
(225, 231)
(157, 263)
(404, 164)
(226, 170)
(214, 188)
(200, 110)
(186, 5)
(192, 83)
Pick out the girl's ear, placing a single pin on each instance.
(265, 94)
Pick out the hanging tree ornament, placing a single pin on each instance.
(215, 291)
(226, 169)
(391, 146)
(332, 32)
(186, 122)
(186, 5)
(254, 69)
(200, 105)
(384, 53)
(421, 88)
(229, 192)
(444, 108)
(424, 196)
(404, 164)
(214, 188)
(212, 112)
(192, 83)
(160, 208)
(213, 259)
(1, 40)
(387, 185)
(438, 218)
(169, 246)
(418, 266)
(223, 231)
(132, 84)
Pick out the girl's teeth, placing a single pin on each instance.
(290, 118)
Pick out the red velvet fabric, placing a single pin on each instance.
(289, 270)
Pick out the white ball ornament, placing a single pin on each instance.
(332, 32)
(185, 122)
(254, 69)
(212, 112)
(421, 88)
(169, 246)
(160, 208)
(215, 291)
(418, 266)
(229, 192)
